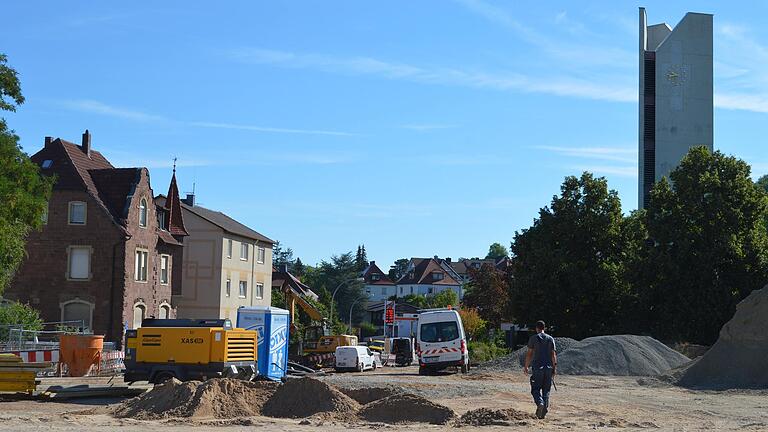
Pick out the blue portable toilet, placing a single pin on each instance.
(271, 323)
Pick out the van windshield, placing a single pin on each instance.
(439, 331)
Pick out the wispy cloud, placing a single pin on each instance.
(96, 107)
(618, 154)
(555, 85)
(428, 127)
(621, 171)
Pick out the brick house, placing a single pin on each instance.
(108, 255)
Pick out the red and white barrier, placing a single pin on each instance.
(38, 356)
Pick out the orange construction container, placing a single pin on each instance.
(80, 352)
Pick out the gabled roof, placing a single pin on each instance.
(373, 269)
(173, 205)
(226, 223)
(420, 273)
(114, 186)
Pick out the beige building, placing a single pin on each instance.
(226, 265)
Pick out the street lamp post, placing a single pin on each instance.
(333, 296)
(349, 330)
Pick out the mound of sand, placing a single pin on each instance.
(366, 395)
(490, 417)
(738, 358)
(406, 408)
(304, 397)
(516, 359)
(626, 355)
(217, 398)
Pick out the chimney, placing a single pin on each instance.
(448, 260)
(373, 262)
(189, 200)
(284, 268)
(48, 141)
(87, 143)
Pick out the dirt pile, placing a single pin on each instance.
(305, 397)
(217, 398)
(738, 358)
(366, 395)
(516, 359)
(406, 408)
(626, 355)
(490, 417)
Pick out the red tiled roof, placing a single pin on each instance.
(114, 186)
(167, 238)
(421, 274)
(173, 204)
(373, 269)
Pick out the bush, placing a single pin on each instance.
(483, 351)
(21, 314)
(367, 329)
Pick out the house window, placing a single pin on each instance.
(411, 290)
(437, 276)
(143, 213)
(384, 291)
(430, 290)
(259, 290)
(77, 213)
(228, 288)
(162, 220)
(165, 263)
(79, 267)
(139, 313)
(368, 290)
(262, 254)
(77, 313)
(401, 290)
(165, 311)
(244, 251)
(375, 277)
(243, 289)
(229, 248)
(140, 273)
(47, 163)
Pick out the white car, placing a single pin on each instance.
(354, 358)
(441, 341)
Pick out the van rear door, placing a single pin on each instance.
(440, 342)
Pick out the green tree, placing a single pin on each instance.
(488, 293)
(707, 246)
(298, 269)
(473, 323)
(398, 269)
(444, 298)
(361, 258)
(497, 251)
(569, 267)
(281, 257)
(328, 275)
(24, 192)
(762, 182)
(18, 314)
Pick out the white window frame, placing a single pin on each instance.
(262, 255)
(69, 262)
(259, 290)
(244, 247)
(229, 248)
(136, 276)
(69, 213)
(166, 306)
(228, 287)
(143, 213)
(167, 259)
(133, 313)
(78, 300)
(240, 289)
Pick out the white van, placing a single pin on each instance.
(441, 341)
(357, 358)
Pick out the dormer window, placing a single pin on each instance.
(437, 276)
(143, 213)
(162, 220)
(375, 277)
(47, 164)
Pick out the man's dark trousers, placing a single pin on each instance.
(541, 384)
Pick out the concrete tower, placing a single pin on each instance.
(675, 104)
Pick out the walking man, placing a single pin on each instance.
(542, 358)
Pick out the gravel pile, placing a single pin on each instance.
(220, 398)
(738, 359)
(516, 359)
(406, 408)
(305, 397)
(625, 355)
(489, 417)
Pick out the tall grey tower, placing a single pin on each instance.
(675, 95)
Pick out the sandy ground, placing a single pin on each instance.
(579, 403)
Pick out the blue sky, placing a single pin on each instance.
(417, 128)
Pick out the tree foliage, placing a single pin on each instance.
(18, 314)
(707, 247)
(569, 266)
(398, 269)
(488, 292)
(24, 192)
(361, 258)
(497, 251)
(342, 271)
(442, 299)
(473, 323)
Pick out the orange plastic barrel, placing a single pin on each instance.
(80, 352)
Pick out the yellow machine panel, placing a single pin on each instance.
(192, 345)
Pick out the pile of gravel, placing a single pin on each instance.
(624, 355)
(221, 398)
(516, 359)
(490, 417)
(406, 408)
(738, 359)
(305, 397)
